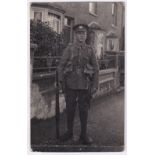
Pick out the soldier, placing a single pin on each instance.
(78, 73)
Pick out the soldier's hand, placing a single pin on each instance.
(61, 86)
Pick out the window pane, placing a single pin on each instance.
(93, 7)
(57, 24)
(38, 16)
(90, 6)
(67, 21)
(113, 6)
(54, 22)
(114, 13)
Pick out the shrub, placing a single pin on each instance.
(49, 44)
(48, 41)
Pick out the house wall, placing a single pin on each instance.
(80, 12)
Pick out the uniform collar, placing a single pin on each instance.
(81, 45)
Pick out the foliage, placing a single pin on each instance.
(48, 41)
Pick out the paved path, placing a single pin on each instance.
(105, 126)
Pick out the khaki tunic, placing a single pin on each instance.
(75, 57)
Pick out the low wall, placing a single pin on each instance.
(43, 93)
(107, 81)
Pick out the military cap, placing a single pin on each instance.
(80, 27)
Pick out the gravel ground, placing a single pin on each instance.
(105, 126)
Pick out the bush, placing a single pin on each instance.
(48, 41)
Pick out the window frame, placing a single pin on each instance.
(40, 13)
(57, 21)
(114, 13)
(94, 11)
(67, 22)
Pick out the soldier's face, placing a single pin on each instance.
(81, 36)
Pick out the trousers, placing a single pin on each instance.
(74, 97)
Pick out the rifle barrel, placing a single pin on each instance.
(57, 109)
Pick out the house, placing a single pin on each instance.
(102, 18)
(106, 22)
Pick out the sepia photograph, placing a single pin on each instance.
(77, 76)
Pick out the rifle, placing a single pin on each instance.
(89, 97)
(57, 109)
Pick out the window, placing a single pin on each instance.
(38, 16)
(93, 8)
(67, 21)
(54, 22)
(68, 32)
(114, 13)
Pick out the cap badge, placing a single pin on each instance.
(80, 27)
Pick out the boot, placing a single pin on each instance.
(66, 136)
(69, 134)
(85, 140)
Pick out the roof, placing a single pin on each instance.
(95, 25)
(111, 34)
(48, 5)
